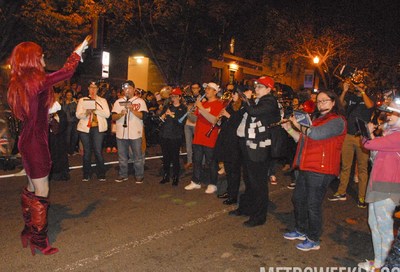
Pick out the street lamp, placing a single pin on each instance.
(316, 61)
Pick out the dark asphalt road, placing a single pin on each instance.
(151, 227)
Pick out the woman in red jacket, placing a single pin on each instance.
(318, 160)
(30, 97)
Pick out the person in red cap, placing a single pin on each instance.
(171, 135)
(259, 115)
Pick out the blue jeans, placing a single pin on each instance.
(93, 141)
(189, 132)
(72, 137)
(123, 157)
(210, 174)
(380, 220)
(307, 198)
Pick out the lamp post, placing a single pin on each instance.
(315, 82)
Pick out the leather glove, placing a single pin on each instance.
(83, 46)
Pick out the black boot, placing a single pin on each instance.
(165, 179)
(175, 181)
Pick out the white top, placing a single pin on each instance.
(134, 128)
(102, 111)
(240, 132)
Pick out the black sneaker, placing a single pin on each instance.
(361, 203)
(337, 197)
(291, 186)
(139, 180)
(121, 179)
(102, 179)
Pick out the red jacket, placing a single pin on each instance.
(320, 156)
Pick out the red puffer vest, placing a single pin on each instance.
(320, 156)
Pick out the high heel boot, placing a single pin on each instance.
(39, 239)
(165, 179)
(26, 199)
(175, 180)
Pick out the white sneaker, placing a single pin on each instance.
(211, 189)
(192, 186)
(367, 265)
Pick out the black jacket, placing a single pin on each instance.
(227, 146)
(171, 128)
(258, 136)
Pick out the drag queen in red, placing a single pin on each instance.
(30, 97)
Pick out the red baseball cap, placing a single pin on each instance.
(176, 91)
(266, 81)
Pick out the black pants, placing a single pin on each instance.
(233, 171)
(254, 201)
(170, 151)
(258, 192)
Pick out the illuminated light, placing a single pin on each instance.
(139, 59)
(316, 59)
(105, 64)
(233, 67)
(106, 58)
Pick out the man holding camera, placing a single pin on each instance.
(358, 105)
(129, 112)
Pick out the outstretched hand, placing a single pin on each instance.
(83, 46)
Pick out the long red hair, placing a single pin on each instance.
(26, 79)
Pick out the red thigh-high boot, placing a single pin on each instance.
(26, 199)
(39, 239)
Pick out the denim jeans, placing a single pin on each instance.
(123, 157)
(307, 198)
(210, 174)
(72, 137)
(380, 220)
(93, 141)
(189, 132)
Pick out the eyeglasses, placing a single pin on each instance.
(323, 101)
(260, 86)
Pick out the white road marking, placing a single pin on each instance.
(145, 240)
(19, 174)
(153, 237)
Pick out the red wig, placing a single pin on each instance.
(26, 79)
